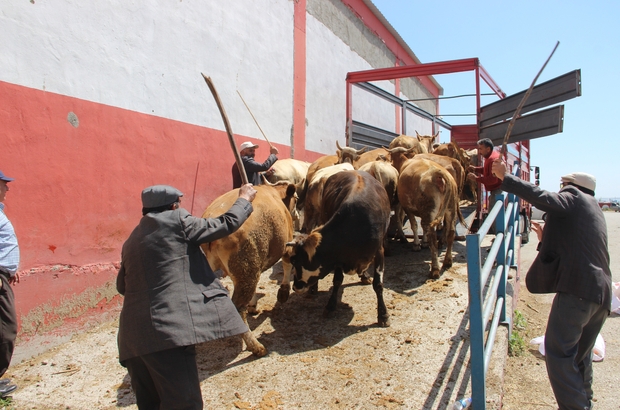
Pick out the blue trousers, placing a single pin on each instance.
(574, 323)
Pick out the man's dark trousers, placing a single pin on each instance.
(166, 379)
(8, 331)
(574, 323)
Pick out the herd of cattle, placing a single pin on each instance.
(336, 215)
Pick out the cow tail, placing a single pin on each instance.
(448, 196)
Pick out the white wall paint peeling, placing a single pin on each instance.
(147, 57)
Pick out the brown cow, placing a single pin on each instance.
(354, 222)
(314, 194)
(348, 154)
(427, 190)
(452, 150)
(451, 165)
(387, 175)
(319, 163)
(257, 245)
(378, 154)
(399, 155)
(422, 144)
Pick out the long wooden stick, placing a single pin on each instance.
(231, 138)
(522, 103)
(254, 118)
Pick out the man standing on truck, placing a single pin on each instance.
(573, 263)
(483, 175)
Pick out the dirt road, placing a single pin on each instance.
(346, 362)
(315, 363)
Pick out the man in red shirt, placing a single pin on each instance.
(491, 182)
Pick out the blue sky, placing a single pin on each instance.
(512, 41)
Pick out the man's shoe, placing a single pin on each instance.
(7, 389)
(4, 382)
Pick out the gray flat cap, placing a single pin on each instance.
(160, 195)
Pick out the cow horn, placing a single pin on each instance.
(417, 134)
(361, 151)
(338, 145)
(266, 180)
(292, 243)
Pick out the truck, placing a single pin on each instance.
(541, 116)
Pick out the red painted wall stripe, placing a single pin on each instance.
(299, 84)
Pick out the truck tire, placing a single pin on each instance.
(524, 224)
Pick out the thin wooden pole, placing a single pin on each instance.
(520, 106)
(231, 138)
(254, 118)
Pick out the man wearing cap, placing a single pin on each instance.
(9, 262)
(247, 151)
(172, 299)
(573, 263)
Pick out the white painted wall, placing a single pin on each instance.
(419, 124)
(148, 56)
(329, 60)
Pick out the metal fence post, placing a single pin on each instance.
(476, 330)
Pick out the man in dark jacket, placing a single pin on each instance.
(574, 258)
(253, 169)
(172, 299)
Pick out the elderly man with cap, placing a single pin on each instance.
(247, 150)
(9, 262)
(573, 263)
(172, 298)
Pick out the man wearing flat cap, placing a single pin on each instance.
(573, 263)
(253, 169)
(172, 298)
(9, 262)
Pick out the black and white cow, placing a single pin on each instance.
(355, 214)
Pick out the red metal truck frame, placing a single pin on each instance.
(465, 136)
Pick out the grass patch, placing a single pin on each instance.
(516, 344)
(6, 403)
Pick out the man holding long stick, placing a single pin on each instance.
(247, 150)
(573, 263)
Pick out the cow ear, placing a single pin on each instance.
(290, 190)
(311, 243)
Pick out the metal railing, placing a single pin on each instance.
(487, 290)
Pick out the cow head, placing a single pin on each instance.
(400, 155)
(348, 154)
(300, 254)
(427, 141)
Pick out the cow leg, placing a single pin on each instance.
(383, 317)
(432, 241)
(450, 231)
(285, 286)
(414, 228)
(242, 297)
(333, 299)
